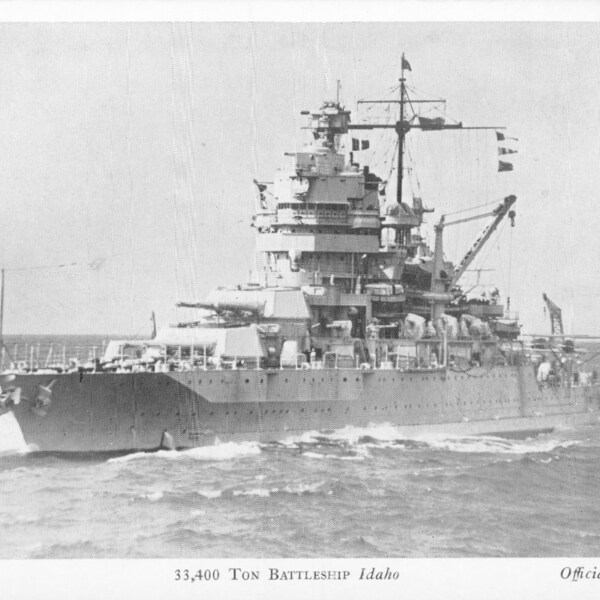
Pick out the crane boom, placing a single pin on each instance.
(499, 213)
(556, 323)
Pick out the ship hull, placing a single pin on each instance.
(122, 412)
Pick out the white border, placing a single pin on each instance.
(423, 578)
(301, 10)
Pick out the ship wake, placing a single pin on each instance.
(218, 452)
(356, 442)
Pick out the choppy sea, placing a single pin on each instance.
(364, 492)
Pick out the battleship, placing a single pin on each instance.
(349, 318)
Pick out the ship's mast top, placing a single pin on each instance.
(406, 121)
(329, 123)
(402, 129)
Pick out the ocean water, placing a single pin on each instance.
(354, 493)
(364, 492)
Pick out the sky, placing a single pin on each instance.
(128, 150)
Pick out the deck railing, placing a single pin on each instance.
(55, 358)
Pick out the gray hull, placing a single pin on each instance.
(102, 412)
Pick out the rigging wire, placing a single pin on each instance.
(192, 153)
(463, 210)
(413, 177)
(483, 258)
(94, 265)
(420, 92)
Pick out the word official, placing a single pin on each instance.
(579, 573)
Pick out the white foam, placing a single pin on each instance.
(313, 455)
(360, 453)
(386, 435)
(153, 496)
(384, 432)
(210, 494)
(261, 492)
(11, 436)
(348, 434)
(308, 437)
(295, 489)
(303, 488)
(226, 451)
(495, 445)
